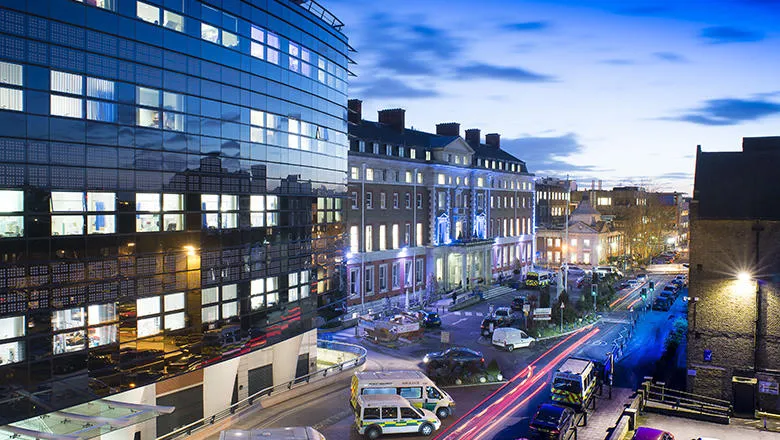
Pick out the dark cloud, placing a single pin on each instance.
(729, 111)
(676, 176)
(527, 26)
(399, 46)
(393, 88)
(490, 71)
(618, 62)
(643, 10)
(670, 57)
(545, 155)
(729, 34)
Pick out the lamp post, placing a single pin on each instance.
(562, 307)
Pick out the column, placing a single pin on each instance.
(463, 270)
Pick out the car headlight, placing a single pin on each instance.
(426, 359)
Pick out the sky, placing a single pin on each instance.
(618, 91)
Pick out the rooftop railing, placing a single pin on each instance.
(319, 11)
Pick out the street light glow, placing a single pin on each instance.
(743, 276)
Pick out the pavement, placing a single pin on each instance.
(606, 415)
(685, 429)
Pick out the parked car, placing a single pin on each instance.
(645, 433)
(662, 304)
(501, 317)
(511, 338)
(429, 318)
(552, 422)
(671, 288)
(455, 355)
(632, 282)
(518, 302)
(642, 277)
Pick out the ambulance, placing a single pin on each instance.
(412, 385)
(379, 414)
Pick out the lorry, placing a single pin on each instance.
(413, 385)
(575, 382)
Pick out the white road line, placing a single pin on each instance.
(459, 321)
(456, 313)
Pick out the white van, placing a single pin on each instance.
(412, 385)
(377, 414)
(297, 433)
(511, 338)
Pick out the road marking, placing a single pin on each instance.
(467, 313)
(456, 313)
(459, 321)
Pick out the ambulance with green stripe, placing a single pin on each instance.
(412, 385)
(378, 414)
(575, 382)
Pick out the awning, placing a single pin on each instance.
(84, 421)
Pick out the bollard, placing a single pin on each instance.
(631, 413)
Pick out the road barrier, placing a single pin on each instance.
(354, 356)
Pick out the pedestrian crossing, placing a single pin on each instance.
(462, 313)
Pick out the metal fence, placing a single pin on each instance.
(358, 359)
(682, 401)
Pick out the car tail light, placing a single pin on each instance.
(555, 431)
(482, 360)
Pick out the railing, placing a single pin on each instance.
(319, 11)
(681, 400)
(358, 359)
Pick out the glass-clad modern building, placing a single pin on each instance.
(171, 175)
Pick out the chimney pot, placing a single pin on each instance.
(473, 136)
(493, 139)
(448, 129)
(394, 117)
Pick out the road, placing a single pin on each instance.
(499, 411)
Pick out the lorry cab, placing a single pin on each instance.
(574, 383)
(413, 385)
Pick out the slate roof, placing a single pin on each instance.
(739, 185)
(488, 152)
(375, 131)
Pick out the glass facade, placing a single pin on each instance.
(171, 172)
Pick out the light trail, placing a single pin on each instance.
(505, 406)
(516, 377)
(522, 403)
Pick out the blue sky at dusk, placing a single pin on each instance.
(615, 90)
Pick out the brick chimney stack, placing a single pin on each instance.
(394, 117)
(493, 139)
(355, 111)
(473, 136)
(448, 129)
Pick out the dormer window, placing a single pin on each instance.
(457, 160)
(413, 153)
(427, 155)
(401, 152)
(376, 148)
(362, 146)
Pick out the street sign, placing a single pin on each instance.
(543, 314)
(707, 355)
(766, 387)
(445, 337)
(563, 306)
(526, 308)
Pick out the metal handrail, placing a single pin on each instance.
(294, 383)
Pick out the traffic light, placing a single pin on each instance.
(644, 294)
(594, 288)
(652, 286)
(594, 278)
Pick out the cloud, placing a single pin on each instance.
(393, 88)
(670, 57)
(729, 111)
(676, 176)
(618, 62)
(527, 26)
(548, 154)
(729, 34)
(398, 46)
(491, 71)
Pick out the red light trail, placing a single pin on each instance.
(484, 421)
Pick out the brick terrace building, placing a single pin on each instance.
(431, 207)
(735, 228)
